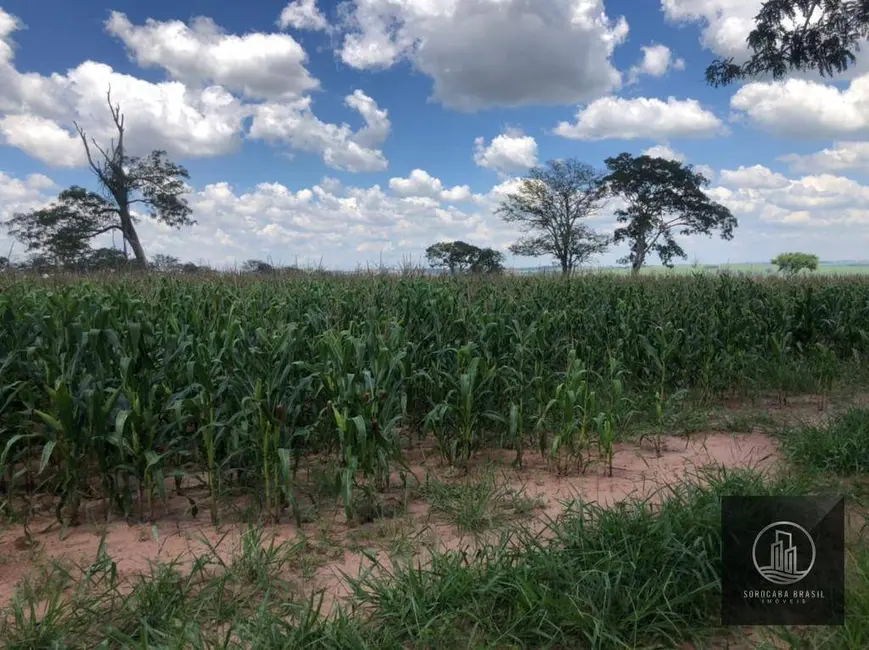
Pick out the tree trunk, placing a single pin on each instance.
(639, 259)
(130, 234)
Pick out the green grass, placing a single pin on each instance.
(594, 581)
(478, 505)
(839, 447)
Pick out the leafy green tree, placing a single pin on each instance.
(662, 198)
(63, 230)
(164, 263)
(461, 257)
(103, 259)
(792, 263)
(487, 260)
(549, 205)
(798, 35)
(257, 266)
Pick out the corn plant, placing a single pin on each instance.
(825, 372)
(177, 363)
(573, 409)
(366, 405)
(781, 344)
(664, 346)
(78, 420)
(456, 420)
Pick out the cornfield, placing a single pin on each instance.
(110, 390)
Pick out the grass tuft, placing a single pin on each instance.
(840, 446)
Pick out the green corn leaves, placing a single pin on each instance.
(122, 392)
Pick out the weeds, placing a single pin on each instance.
(839, 447)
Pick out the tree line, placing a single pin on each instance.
(659, 198)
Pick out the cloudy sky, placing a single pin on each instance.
(362, 131)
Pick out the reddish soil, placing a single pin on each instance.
(339, 544)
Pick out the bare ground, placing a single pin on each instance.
(339, 547)
(329, 547)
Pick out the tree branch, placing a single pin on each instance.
(87, 149)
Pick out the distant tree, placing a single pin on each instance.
(103, 259)
(488, 260)
(257, 266)
(64, 229)
(4, 263)
(663, 198)
(35, 263)
(454, 256)
(164, 263)
(792, 263)
(460, 257)
(190, 267)
(549, 204)
(798, 35)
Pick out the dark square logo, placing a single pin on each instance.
(783, 560)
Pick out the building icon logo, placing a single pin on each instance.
(783, 553)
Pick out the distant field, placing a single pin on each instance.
(760, 269)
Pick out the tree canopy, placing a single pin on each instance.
(164, 263)
(257, 266)
(549, 204)
(62, 231)
(459, 257)
(662, 198)
(798, 35)
(793, 263)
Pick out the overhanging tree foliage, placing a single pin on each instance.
(549, 204)
(663, 198)
(798, 35)
(152, 183)
(460, 257)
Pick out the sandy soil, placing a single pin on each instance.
(335, 547)
(338, 547)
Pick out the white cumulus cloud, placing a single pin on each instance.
(508, 152)
(38, 110)
(663, 151)
(265, 66)
(756, 177)
(294, 124)
(725, 23)
(303, 14)
(483, 53)
(630, 119)
(842, 156)
(806, 109)
(421, 184)
(657, 61)
(43, 139)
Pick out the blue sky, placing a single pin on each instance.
(367, 131)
